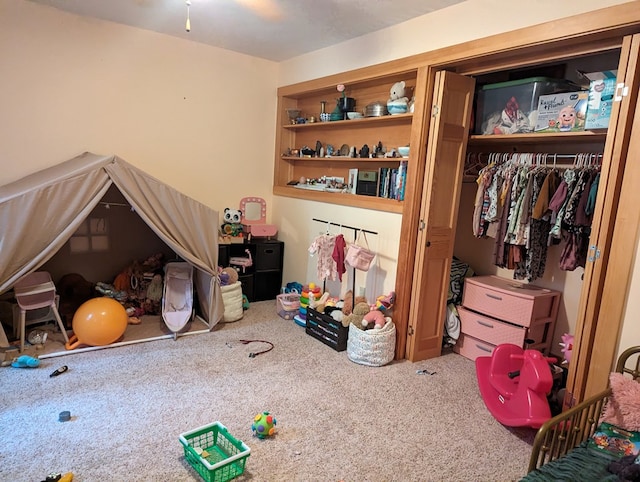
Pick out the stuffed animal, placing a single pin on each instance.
(374, 319)
(232, 225)
(232, 216)
(356, 317)
(347, 307)
(384, 303)
(397, 92)
(627, 468)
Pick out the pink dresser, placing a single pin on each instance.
(498, 310)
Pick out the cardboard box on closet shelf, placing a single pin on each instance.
(564, 112)
(602, 88)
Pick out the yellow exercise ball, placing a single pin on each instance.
(98, 322)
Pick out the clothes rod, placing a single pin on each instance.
(344, 226)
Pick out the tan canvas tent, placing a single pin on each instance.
(41, 211)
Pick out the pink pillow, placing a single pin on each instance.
(623, 408)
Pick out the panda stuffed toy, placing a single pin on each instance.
(232, 225)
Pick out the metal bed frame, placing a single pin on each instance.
(567, 430)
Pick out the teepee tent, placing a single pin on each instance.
(41, 211)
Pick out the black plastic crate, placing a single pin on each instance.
(329, 331)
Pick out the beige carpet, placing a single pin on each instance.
(336, 420)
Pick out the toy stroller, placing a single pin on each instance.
(177, 298)
(514, 384)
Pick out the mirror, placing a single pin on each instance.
(254, 210)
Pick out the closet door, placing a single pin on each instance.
(608, 269)
(446, 149)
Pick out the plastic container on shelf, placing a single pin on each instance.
(512, 107)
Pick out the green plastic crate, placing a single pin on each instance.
(225, 455)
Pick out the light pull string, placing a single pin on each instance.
(188, 25)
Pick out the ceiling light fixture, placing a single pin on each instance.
(188, 25)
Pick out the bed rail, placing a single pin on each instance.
(570, 428)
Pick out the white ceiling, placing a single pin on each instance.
(270, 29)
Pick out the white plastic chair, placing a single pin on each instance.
(35, 291)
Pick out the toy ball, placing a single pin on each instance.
(263, 425)
(97, 322)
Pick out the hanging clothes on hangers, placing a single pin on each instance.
(323, 246)
(338, 255)
(527, 206)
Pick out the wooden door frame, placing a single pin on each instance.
(582, 34)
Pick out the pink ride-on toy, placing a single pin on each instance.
(514, 384)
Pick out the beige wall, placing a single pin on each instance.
(196, 117)
(469, 20)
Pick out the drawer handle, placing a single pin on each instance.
(268, 251)
(494, 297)
(484, 323)
(483, 348)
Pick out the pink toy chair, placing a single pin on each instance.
(35, 291)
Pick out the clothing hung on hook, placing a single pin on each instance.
(332, 251)
(527, 205)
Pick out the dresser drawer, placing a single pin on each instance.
(509, 300)
(490, 330)
(471, 348)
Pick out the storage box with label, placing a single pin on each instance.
(602, 88)
(563, 112)
(511, 107)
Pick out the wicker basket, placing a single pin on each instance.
(372, 347)
(232, 300)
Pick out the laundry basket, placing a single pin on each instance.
(214, 453)
(287, 305)
(232, 299)
(372, 347)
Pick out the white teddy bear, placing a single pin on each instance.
(397, 103)
(397, 92)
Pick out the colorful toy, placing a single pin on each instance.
(263, 425)
(514, 384)
(25, 361)
(384, 303)
(98, 322)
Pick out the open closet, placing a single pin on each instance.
(437, 218)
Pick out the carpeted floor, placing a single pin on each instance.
(336, 420)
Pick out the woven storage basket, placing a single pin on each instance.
(232, 299)
(372, 347)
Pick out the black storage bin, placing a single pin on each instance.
(267, 285)
(268, 256)
(329, 331)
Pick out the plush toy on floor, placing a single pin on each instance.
(25, 361)
(263, 425)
